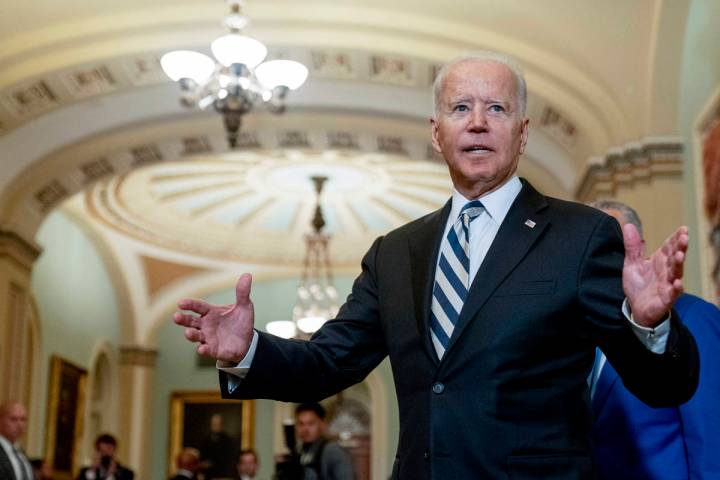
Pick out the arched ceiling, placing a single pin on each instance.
(83, 100)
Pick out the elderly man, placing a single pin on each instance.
(635, 441)
(14, 465)
(490, 310)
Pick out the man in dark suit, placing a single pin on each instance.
(490, 310)
(188, 464)
(634, 441)
(105, 466)
(14, 465)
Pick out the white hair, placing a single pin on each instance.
(489, 56)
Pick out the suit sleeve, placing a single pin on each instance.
(340, 354)
(659, 380)
(700, 417)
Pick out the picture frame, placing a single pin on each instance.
(191, 416)
(64, 418)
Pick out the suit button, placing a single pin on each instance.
(426, 454)
(438, 388)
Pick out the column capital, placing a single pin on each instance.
(634, 162)
(18, 249)
(135, 355)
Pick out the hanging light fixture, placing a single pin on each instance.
(237, 79)
(317, 297)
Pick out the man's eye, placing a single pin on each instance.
(461, 108)
(497, 108)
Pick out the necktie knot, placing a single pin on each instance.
(472, 210)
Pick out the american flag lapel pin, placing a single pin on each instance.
(530, 223)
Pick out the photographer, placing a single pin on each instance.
(316, 457)
(105, 466)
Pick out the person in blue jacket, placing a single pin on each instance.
(635, 441)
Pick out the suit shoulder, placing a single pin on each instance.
(412, 226)
(579, 216)
(575, 209)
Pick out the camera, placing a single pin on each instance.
(106, 461)
(289, 468)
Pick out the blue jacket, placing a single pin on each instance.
(634, 441)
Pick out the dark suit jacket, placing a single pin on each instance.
(178, 476)
(121, 474)
(634, 441)
(6, 469)
(509, 398)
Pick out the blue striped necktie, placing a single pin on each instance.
(452, 278)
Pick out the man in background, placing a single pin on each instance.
(188, 464)
(320, 457)
(105, 465)
(635, 441)
(14, 465)
(247, 465)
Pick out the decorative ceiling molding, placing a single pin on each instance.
(161, 273)
(636, 162)
(255, 207)
(29, 98)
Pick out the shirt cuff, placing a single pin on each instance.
(654, 339)
(241, 369)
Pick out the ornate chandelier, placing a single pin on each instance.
(317, 298)
(237, 79)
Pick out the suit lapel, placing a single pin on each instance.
(512, 242)
(5, 465)
(424, 246)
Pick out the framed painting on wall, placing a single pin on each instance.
(218, 428)
(64, 424)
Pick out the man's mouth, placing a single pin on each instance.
(477, 149)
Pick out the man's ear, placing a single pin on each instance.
(524, 134)
(435, 135)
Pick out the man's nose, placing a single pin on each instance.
(477, 120)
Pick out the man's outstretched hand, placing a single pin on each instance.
(223, 332)
(653, 284)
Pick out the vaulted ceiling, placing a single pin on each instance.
(85, 109)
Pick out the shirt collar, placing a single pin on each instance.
(497, 203)
(6, 443)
